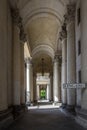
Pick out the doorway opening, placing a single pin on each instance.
(43, 92)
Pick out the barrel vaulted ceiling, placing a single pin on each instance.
(42, 21)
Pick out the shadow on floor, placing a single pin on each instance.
(45, 119)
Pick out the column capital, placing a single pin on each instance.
(57, 58)
(63, 33)
(22, 34)
(28, 61)
(70, 15)
(18, 21)
(16, 17)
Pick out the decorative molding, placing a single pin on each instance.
(28, 61)
(63, 33)
(22, 35)
(41, 9)
(57, 57)
(70, 16)
(18, 21)
(43, 49)
(16, 17)
(40, 14)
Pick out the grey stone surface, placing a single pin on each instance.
(47, 119)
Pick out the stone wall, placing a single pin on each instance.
(5, 64)
(78, 56)
(5, 54)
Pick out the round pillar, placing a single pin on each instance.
(22, 75)
(34, 88)
(56, 94)
(51, 87)
(29, 81)
(48, 92)
(38, 93)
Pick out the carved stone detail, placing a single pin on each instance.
(63, 33)
(18, 21)
(57, 57)
(70, 16)
(22, 34)
(16, 17)
(28, 61)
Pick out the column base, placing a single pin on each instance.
(71, 109)
(81, 117)
(6, 118)
(56, 103)
(18, 110)
(23, 107)
(64, 105)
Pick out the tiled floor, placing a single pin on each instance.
(45, 119)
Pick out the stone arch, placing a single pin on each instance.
(39, 13)
(43, 49)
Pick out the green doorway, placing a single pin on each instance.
(43, 92)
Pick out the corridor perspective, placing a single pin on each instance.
(43, 64)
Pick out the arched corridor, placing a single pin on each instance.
(43, 63)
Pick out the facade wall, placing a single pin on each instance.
(5, 54)
(78, 56)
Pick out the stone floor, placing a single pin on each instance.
(45, 119)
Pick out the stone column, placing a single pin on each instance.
(22, 75)
(63, 37)
(60, 59)
(51, 86)
(48, 92)
(34, 87)
(71, 60)
(18, 61)
(56, 94)
(29, 81)
(22, 42)
(6, 117)
(38, 93)
(16, 66)
(3, 55)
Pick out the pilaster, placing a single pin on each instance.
(71, 55)
(63, 38)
